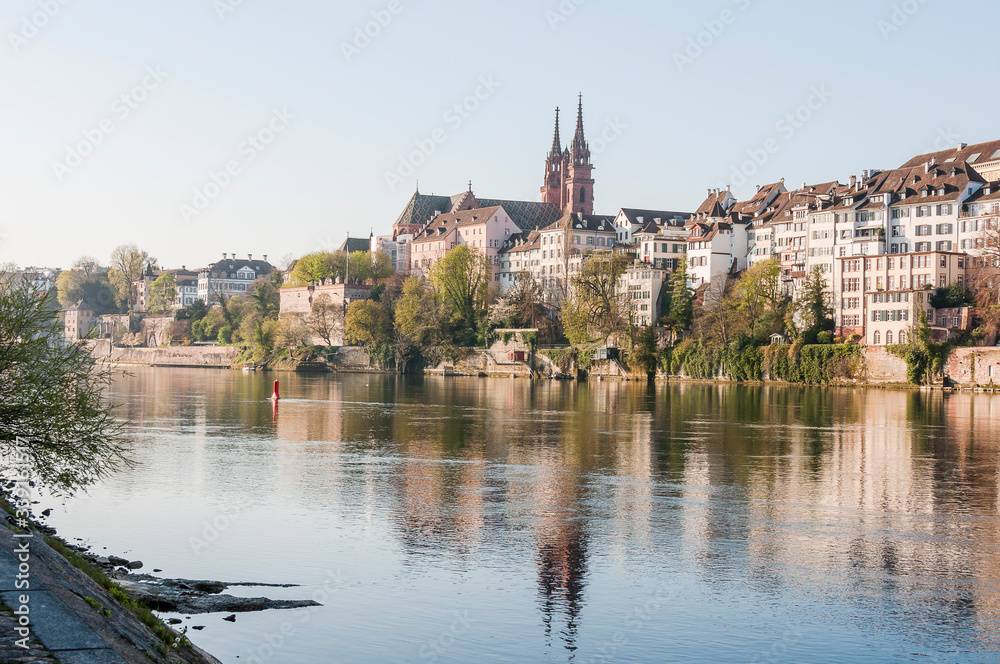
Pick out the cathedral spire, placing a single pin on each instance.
(556, 143)
(579, 141)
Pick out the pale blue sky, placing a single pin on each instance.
(682, 127)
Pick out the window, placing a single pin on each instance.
(924, 210)
(901, 213)
(945, 229)
(924, 229)
(888, 338)
(877, 338)
(902, 337)
(944, 246)
(944, 210)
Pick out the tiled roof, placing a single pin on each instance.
(986, 152)
(527, 215)
(649, 216)
(587, 222)
(353, 244)
(444, 224)
(712, 206)
(420, 210)
(952, 178)
(521, 243)
(233, 265)
(982, 196)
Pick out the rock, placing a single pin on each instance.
(101, 560)
(231, 618)
(197, 597)
(47, 513)
(174, 621)
(198, 627)
(135, 564)
(157, 571)
(118, 562)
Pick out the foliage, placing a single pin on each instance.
(678, 306)
(462, 281)
(925, 359)
(127, 265)
(324, 265)
(162, 292)
(368, 324)
(180, 333)
(53, 410)
(952, 297)
(814, 308)
(643, 356)
(595, 309)
(92, 287)
(812, 364)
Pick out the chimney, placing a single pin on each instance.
(804, 186)
(709, 193)
(265, 258)
(854, 181)
(962, 146)
(249, 257)
(758, 189)
(927, 167)
(224, 256)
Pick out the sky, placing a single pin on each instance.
(197, 127)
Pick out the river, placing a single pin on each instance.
(500, 520)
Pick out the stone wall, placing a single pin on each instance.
(882, 367)
(175, 356)
(974, 367)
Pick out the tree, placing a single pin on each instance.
(88, 265)
(70, 287)
(197, 310)
(368, 323)
(718, 312)
(814, 309)
(266, 298)
(54, 414)
(462, 279)
(679, 311)
(756, 294)
(326, 319)
(127, 265)
(162, 292)
(595, 301)
(522, 306)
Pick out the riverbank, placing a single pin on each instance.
(76, 614)
(876, 366)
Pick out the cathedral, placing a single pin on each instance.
(568, 188)
(569, 179)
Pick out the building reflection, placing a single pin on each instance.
(885, 497)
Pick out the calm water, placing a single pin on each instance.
(457, 520)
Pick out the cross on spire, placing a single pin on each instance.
(556, 143)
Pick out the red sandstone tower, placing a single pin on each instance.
(569, 178)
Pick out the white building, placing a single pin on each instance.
(230, 276)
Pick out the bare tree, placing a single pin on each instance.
(326, 319)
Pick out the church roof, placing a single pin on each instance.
(586, 222)
(525, 214)
(353, 244)
(421, 209)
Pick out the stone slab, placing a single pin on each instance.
(102, 656)
(55, 625)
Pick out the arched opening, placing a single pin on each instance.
(583, 195)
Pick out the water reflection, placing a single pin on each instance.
(875, 511)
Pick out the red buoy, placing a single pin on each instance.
(275, 396)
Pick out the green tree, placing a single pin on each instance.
(814, 309)
(54, 413)
(162, 292)
(368, 323)
(679, 311)
(595, 303)
(522, 306)
(757, 294)
(70, 287)
(462, 280)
